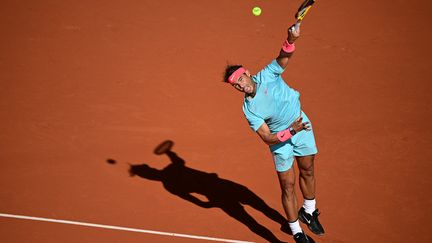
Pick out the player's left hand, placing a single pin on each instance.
(298, 125)
(293, 33)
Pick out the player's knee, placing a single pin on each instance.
(307, 171)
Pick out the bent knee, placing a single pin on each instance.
(307, 173)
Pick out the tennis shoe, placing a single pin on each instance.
(303, 238)
(311, 221)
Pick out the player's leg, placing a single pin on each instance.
(289, 202)
(283, 157)
(308, 214)
(307, 177)
(304, 151)
(289, 199)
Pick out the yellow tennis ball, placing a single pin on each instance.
(256, 11)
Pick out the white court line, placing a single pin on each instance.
(119, 228)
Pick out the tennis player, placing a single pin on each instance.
(273, 111)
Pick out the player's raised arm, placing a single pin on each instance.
(288, 46)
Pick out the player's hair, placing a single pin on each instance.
(230, 69)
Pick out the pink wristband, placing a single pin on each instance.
(287, 47)
(284, 135)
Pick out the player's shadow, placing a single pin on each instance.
(227, 195)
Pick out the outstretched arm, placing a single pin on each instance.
(293, 34)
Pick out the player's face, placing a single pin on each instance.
(245, 84)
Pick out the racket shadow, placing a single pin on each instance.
(227, 195)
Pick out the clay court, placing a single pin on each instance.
(90, 88)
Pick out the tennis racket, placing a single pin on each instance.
(303, 9)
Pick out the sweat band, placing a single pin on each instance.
(287, 47)
(235, 75)
(284, 135)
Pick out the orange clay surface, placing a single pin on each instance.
(84, 82)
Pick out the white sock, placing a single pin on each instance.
(295, 227)
(309, 206)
